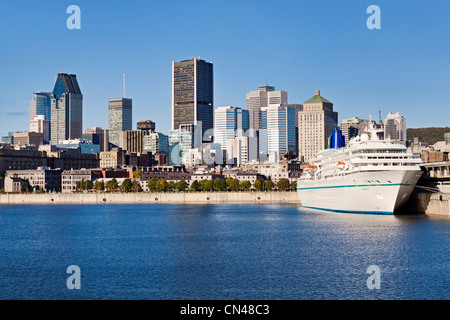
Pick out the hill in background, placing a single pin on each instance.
(428, 135)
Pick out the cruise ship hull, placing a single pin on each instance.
(380, 192)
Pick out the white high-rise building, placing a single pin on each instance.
(395, 127)
(40, 125)
(277, 133)
(261, 98)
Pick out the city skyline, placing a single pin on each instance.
(363, 70)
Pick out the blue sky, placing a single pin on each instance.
(298, 46)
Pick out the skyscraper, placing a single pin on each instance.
(193, 94)
(40, 105)
(264, 96)
(277, 132)
(395, 127)
(228, 123)
(316, 123)
(66, 109)
(40, 125)
(120, 118)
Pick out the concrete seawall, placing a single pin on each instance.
(187, 198)
(429, 203)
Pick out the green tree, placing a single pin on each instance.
(258, 185)
(112, 184)
(245, 185)
(89, 185)
(233, 183)
(207, 185)
(127, 185)
(283, 184)
(99, 185)
(83, 185)
(195, 186)
(138, 173)
(181, 185)
(151, 184)
(268, 184)
(293, 186)
(162, 185)
(219, 185)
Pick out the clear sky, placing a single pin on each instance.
(298, 46)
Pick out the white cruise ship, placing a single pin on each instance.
(367, 176)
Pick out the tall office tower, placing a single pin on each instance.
(395, 127)
(40, 125)
(193, 94)
(66, 109)
(264, 96)
(132, 140)
(316, 123)
(120, 118)
(40, 105)
(277, 133)
(229, 122)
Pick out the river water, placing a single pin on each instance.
(245, 252)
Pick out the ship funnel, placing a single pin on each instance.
(336, 139)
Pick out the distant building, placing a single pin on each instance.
(193, 94)
(277, 134)
(85, 146)
(264, 96)
(156, 143)
(120, 118)
(66, 109)
(28, 138)
(39, 179)
(40, 125)
(146, 125)
(115, 158)
(183, 139)
(98, 136)
(395, 127)
(41, 105)
(316, 123)
(229, 122)
(132, 140)
(70, 179)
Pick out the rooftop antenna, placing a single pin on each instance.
(124, 84)
(379, 115)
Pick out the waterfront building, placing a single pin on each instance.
(120, 118)
(395, 127)
(238, 150)
(193, 95)
(273, 171)
(40, 105)
(39, 179)
(40, 125)
(70, 178)
(28, 138)
(316, 122)
(352, 127)
(72, 159)
(277, 133)
(66, 109)
(261, 98)
(85, 146)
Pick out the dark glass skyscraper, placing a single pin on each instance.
(66, 109)
(193, 94)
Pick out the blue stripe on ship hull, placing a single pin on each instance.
(350, 211)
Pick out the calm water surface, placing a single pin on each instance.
(219, 252)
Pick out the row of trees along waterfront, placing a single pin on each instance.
(161, 185)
